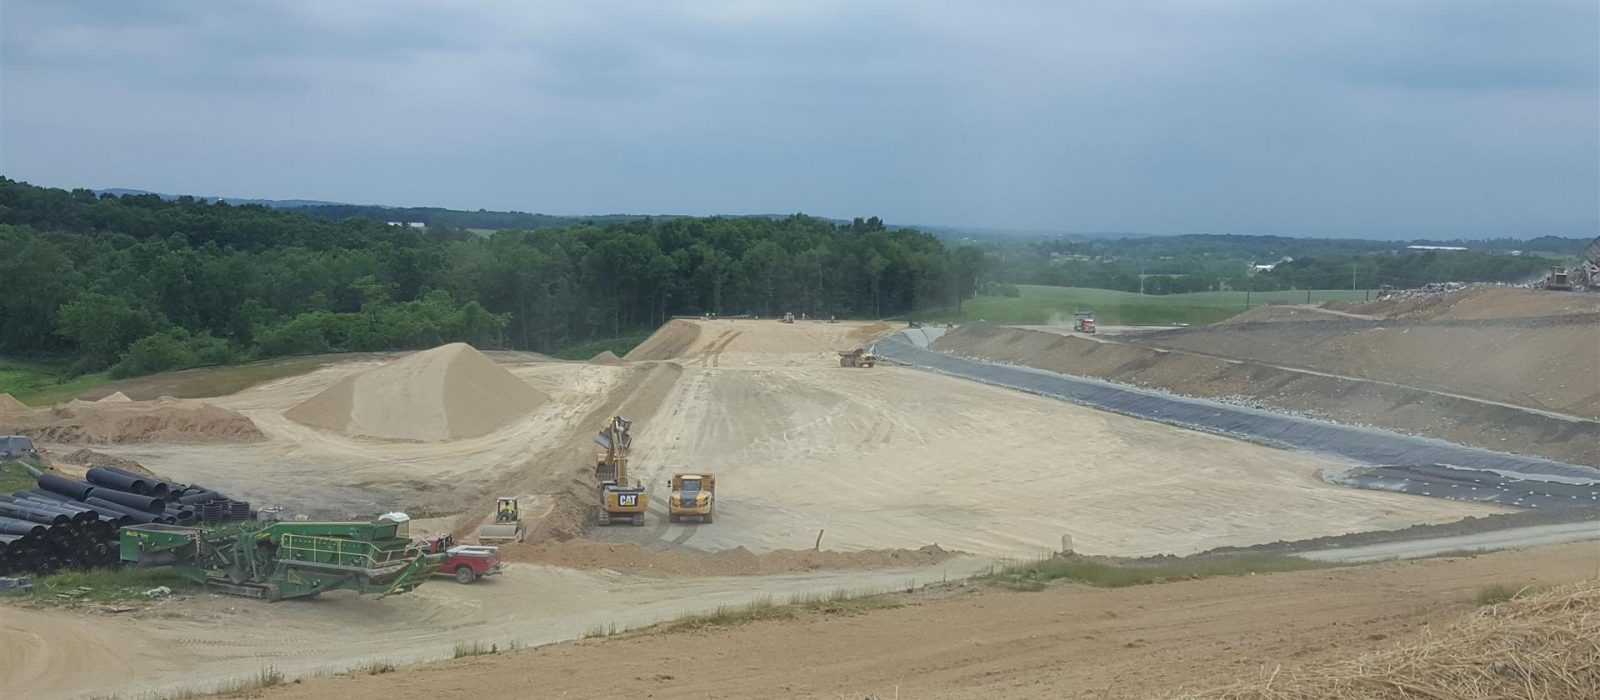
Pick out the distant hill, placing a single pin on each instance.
(274, 203)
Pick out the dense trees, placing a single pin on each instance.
(146, 284)
(1179, 264)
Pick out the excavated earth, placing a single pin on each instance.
(874, 464)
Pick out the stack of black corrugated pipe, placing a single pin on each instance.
(71, 524)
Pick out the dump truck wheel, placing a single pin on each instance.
(706, 519)
(638, 519)
(464, 574)
(672, 518)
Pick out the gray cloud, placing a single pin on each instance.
(1372, 118)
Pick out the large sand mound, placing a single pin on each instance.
(166, 420)
(447, 393)
(1285, 312)
(117, 397)
(605, 358)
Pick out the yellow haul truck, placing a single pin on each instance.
(692, 497)
(620, 497)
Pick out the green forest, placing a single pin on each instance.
(138, 284)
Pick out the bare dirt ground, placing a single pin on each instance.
(192, 643)
(874, 459)
(1067, 641)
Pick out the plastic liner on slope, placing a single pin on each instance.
(1395, 462)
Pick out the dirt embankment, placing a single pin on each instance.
(668, 342)
(1548, 363)
(1344, 400)
(970, 642)
(163, 420)
(634, 559)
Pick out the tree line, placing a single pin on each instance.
(139, 283)
(1180, 264)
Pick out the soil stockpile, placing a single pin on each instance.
(668, 342)
(632, 558)
(1349, 400)
(605, 358)
(448, 393)
(117, 397)
(163, 420)
(85, 457)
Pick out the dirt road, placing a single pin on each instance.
(1068, 641)
(185, 644)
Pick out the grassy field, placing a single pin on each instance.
(619, 346)
(1039, 305)
(40, 384)
(13, 477)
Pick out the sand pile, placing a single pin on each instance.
(632, 558)
(668, 342)
(165, 420)
(117, 397)
(1539, 646)
(85, 457)
(605, 358)
(448, 393)
(9, 404)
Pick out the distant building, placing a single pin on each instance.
(412, 224)
(1434, 247)
(1269, 267)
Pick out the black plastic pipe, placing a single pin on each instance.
(149, 504)
(100, 476)
(71, 488)
(139, 516)
(12, 510)
(28, 528)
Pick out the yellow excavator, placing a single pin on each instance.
(620, 497)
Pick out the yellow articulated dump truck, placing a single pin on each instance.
(693, 496)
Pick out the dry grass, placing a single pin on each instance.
(1543, 646)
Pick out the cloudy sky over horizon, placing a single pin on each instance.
(1380, 118)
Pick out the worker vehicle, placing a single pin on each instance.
(858, 357)
(286, 559)
(693, 496)
(1558, 280)
(507, 525)
(1083, 322)
(787, 318)
(621, 498)
(464, 562)
(17, 447)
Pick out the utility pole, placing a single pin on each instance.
(1141, 278)
(1352, 277)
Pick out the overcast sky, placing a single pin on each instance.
(1341, 117)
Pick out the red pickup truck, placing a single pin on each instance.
(465, 562)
